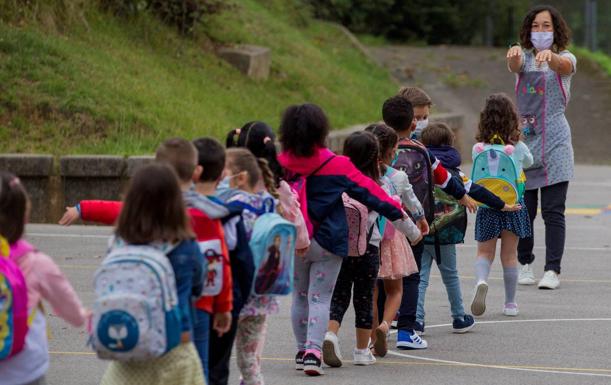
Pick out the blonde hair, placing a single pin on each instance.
(241, 159)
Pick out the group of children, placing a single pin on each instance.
(363, 226)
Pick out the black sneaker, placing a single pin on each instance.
(464, 324)
(299, 360)
(312, 365)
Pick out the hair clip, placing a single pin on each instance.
(266, 140)
(14, 182)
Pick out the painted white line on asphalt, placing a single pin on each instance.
(52, 235)
(543, 248)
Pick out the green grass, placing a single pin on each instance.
(599, 58)
(120, 87)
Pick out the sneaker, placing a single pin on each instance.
(419, 328)
(549, 281)
(408, 339)
(511, 309)
(526, 275)
(330, 350)
(381, 344)
(478, 305)
(363, 357)
(312, 365)
(299, 360)
(393, 324)
(463, 324)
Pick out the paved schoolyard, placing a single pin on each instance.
(560, 337)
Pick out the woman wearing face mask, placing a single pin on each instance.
(543, 68)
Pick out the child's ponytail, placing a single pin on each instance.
(268, 177)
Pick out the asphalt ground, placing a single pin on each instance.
(560, 337)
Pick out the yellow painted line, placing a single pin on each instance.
(577, 211)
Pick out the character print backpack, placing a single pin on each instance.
(13, 304)
(273, 249)
(135, 314)
(450, 224)
(495, 169)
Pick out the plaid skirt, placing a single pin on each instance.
(180, 366)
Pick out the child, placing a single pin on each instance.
(397, 258)
(362, 272)
(153, 213)
(499, 119)
(439, 138)
(245, 172)
(304, 129)
(43, 280)
(422, 103)
(399, 115)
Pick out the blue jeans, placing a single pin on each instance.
(449, 275)
(201, 337)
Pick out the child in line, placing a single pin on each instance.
(439, 139)
(153, 213)
(399, 115)
(396, 256)
(361, 272)
(499, 120)
(422, 104)
(303, 132)
(245, 172)
(43, 279)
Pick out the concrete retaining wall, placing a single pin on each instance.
(54, 183)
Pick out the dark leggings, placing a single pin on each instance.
(363, 273)
(553, 200)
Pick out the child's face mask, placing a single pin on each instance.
(420, 126)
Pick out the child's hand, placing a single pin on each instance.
(70, 216)
(516, 207)
(469, 203)
(222, 323)
(302, 252)
(416, 241)
(423, 226)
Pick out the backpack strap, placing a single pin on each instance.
(268, 206)
(323, 164)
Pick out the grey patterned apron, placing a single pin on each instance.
(541, 104)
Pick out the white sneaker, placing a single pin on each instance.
(331, 354)
(549, 281)
(526, 275)
(363, 357)
(511, 310)
(478, 305)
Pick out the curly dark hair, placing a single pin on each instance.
(398, 113)
(303, 128)
(562, 32)
(498, 117)
(363, 150)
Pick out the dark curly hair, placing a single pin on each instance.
(562, 32)
(387, 139)
(398, 113)
(303, 128)
(498, 117)
(363, 150)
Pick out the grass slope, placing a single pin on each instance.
(120, 87)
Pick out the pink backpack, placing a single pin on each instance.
(358, 236)
(13, 300)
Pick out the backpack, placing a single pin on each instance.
(298, 183)
(272, 244)
(13, 305)
(450, 224)
(495, 169)
(135, 314)
(356, 216)
(413, 159)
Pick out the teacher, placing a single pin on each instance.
(544, 68)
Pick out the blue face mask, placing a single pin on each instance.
(224, 191)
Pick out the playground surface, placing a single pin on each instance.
(560, 337)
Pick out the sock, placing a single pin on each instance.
(510, 277)
(362, 351)
(313, 351)
(482, 269)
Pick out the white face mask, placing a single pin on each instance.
(542, 40)
(420, 126)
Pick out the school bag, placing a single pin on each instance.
(135, 314)
(450, 224)
(495, 169)
(413, 159)
(13, 305)
(298, 183)
(272, 244)
(356, 216)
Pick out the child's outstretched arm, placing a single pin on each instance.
(99, 211)
(408, 228)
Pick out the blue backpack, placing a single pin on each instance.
(495, 169)
(273, 249)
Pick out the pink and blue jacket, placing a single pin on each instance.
(324, 195)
